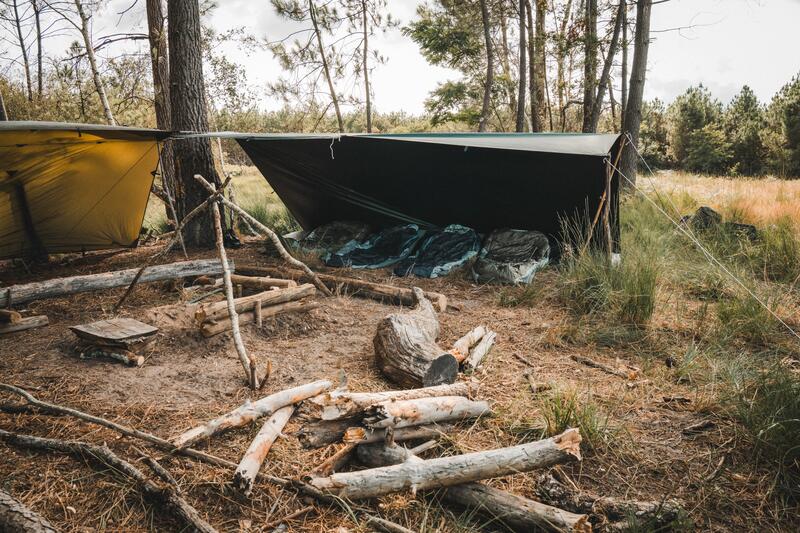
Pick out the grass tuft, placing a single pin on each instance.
(746, 318)
(562, 410)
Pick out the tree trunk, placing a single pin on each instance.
(505, 54)
(159, 58)
(406, 350)
(487, 89)
(24, 50)
(633, 110)
(455, 470)
(367, 96)
(312, 11)
(3, 113)
(523, 50)
(89, 46)
(37, 13)
(605, 77)
(248, 468)
(53, 288)
(541, 63)
(250, 412)
(623, 102)
(337, 404)
(190, 113)
(561, 56)
(422, 411)
(536, 123)
(589, 63)
(16, 517)
(518, 513)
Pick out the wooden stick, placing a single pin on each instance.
(259, 318)
(167, 496)
(536, 388)
(455, 470)
(215, 327)
(462, 346)
(125, 357)
(262, 282)
(523, 360)
(355, 287)
(215, 310)
(600, 366)
(250, 412)
(17, 518)
(385, 525)
(276, 241)
(342, 404)
(29, 322)
(248, 360)
(248, 468)
(291, 516)
(479, 352)
(9, 316)
(422, 411)
(512, 511)
(335, 462)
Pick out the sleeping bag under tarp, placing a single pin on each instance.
(511, 256)
(440, 252)
(380, 250)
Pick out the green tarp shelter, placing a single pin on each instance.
(484, 181)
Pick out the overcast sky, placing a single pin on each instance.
(725, 44)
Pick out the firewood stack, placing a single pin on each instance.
(281, 297)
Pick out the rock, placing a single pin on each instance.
(742, 230)
(705, 218)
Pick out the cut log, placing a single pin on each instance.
(262, 283)
(215, 310)
(354, 287)
(53, 288)
(515, 512)
(360, 435)
(479, 352)
(8, 316)
(167, 497)
(404, 413)
(341, 404)
(455, 470)
(655, 513)
(28, 322)
(462, 346)
(248, 468)
(215, 327)
(324, 432)
(406, 349)
(126, 357)
(16, 517)
(250, 412)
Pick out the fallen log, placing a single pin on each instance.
(354, 287)
(28, 322)
(655, 513)
(166, 496)
(342, 404)
(215, 310)
(248, 468)
(406, 350)
(324, 432)
(515, 512)
(250, 412)
(53, 288)
(462, 346)
(126, 357)
(215, 327)
(16, 517)
(479, 352)
(422, 411)
(262, 282)
(8, 316)
(360, 435)
(455, 470)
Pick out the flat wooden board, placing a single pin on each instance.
(116, 330)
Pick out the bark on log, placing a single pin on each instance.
(515, 512)
(455, 470)
(262, 282)
(406, 349)
(250, 412)
(656, 513)
(215, 327)
(53, 288)
(248, 468)
(360, 435)
(462, 346)
(166, 496)
(7, 316)
(479, 352)
(16, 517)
(341, 404)
(29, 322)
(422, 411)
(215, 310)
(354, 287)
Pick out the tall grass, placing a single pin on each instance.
(562, 410)
(273, 215)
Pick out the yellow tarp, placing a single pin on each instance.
(68, 190)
